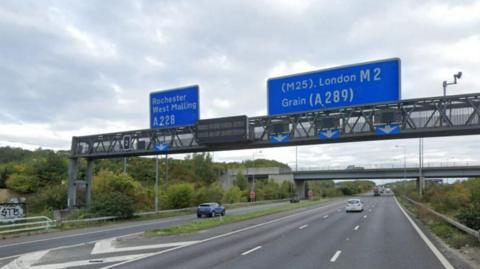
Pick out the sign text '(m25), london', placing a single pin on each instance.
(365, 83)
(173, 108)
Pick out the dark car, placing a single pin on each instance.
(210, 210)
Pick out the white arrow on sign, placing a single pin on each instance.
(329, 133)
(279, 137)
(387, 129)
(161, 147)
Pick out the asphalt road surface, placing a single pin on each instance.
(21, 245)
(379, 237)
(321, 236)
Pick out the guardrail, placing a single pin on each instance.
(186, 209)
(40, 222)
(450, 221)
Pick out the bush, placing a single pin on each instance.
(212, 193)
(52, 198)
(233, 195)
(107, 181)
(470, 216)
(22, 183)
(180, 195)
(112, 204)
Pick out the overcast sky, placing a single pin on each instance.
(84, 67)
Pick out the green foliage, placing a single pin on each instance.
(22, 183)
(355, 187)
(233, 195)
(241, 181)
(180, 195)
(470, 216)
(112, 204)
(211, 193)
(8, 154)
(107, 181)
(51, 198)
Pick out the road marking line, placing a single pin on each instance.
(108, 246)
(229, 233)
(427, 241)
(365, 216)
(26, 261)
(335, 256)
(326, 216)
(250, 251)
(356, 227)
(87, 262)
(303, 226)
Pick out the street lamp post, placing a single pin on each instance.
(404, 161)
(253, 174)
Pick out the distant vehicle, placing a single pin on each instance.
(210, 210)
(353, 167)
(388, 191)
(376, 191)
(354, 205)
(294, 199)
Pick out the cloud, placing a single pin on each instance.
(76, 68)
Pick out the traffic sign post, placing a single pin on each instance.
(173, 108)
(387, 129)
(359, 84)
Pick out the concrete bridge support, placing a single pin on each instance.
(300, 189)
(73, 182)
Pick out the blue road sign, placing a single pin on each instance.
(330, 134)
(364, 83)
(279, 138)
(172, 108)
(387, 129)
(161, 147)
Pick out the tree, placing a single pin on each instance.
(233, 195)
(22, 183)
(180, 195)
(112, 204)
(241, 181)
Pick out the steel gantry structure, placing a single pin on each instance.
(413, 118)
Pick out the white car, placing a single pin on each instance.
(354, 205)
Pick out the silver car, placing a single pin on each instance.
(354, 205)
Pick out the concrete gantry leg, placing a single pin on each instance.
(300, 189)
(72, 175)
(89, 175)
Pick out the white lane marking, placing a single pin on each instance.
(250, 251)
(87, 262)
(88, 233)
(108, 246)
(365, 216)
(335, 256)
(326, 216)
(26, 261)
(356, 227)
(306, 212)
(303, 226)
(427, 241)
(9, 257)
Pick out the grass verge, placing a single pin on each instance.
(203, 224)
(449, 234)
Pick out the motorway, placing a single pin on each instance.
(321, 236)
(21, 245)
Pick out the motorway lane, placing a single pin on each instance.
(383, 239)
(387, 240)
(17, 246)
